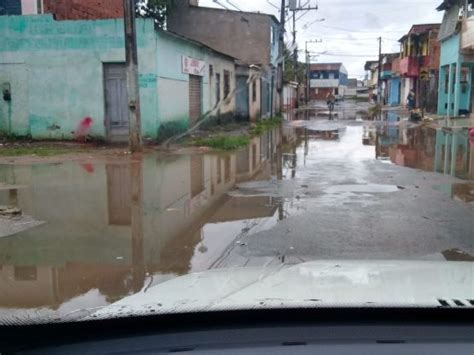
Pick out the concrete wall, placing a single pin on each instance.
(255, 105)
(450, 50)
(55, 70)
(245, 36)
(274, 45)
(173, 84)
(61, 79)
(456, 98)
(249, 37)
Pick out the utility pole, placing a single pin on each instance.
(131, 56)
(282, 51)
(308, 69)
(295, 49)
(379, 78)
(308, 72)
(295, 6)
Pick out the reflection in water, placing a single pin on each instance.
(114, 229)
(444, 150)
(117, 228)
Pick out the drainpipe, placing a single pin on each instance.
(457, 87)
(447, 141)
(454, 150)
(450, 85)
(438, 150)
(271, 95)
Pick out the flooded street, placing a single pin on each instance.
(95, 231)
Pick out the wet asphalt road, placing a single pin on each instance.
(342, 203)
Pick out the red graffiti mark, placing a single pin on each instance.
(88, 167)
(471, 136)
(83, 128)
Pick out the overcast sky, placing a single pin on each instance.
(351, 27)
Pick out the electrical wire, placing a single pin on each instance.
(347, 55)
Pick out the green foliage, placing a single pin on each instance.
(265, 125)
(156, 9)
(223, 142)
(289, 73)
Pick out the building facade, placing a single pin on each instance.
(56, 75)
(327, 78)
(419, 65)
(390, 77)
(64, 9)
(372, 69)
(457, 58)
(250, 37)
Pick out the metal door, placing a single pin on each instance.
(242, 97)
(116, 102)
(195, 97)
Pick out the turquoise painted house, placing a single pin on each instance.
(55, 75)
(390, 80)
(457, 59)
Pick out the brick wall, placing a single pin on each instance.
(84, 9)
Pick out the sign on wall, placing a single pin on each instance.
(193, 66)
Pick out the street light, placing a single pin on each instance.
(305, 27)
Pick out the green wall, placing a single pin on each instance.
(55, 69)
(450, 55)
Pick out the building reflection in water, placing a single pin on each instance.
(123, 226)
(443, 150)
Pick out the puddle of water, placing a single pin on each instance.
(440, 150)
(115, 227)
(109, 225)
(366, 188)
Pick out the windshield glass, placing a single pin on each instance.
(319, 156)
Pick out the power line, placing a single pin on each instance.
(358, 31)
(347, 55)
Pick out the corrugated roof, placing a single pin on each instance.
(417, 30)
(369, 63)
(326, 66)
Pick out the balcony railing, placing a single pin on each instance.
(410, 66)
(467, 34)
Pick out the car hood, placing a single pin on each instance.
(311, 284)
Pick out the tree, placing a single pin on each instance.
(289, 73)
(155, 9)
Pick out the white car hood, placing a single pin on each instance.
(311, 284)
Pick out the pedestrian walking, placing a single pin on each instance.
(411, 100)
(330, 100)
